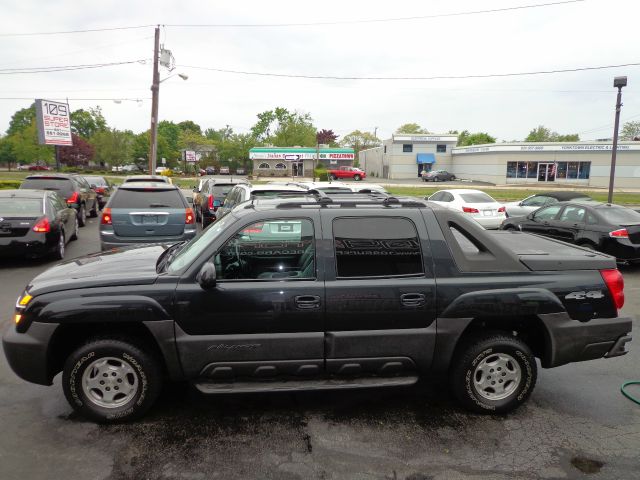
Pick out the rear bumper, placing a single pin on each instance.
(110, 240)
(490, 222)
(570, 340)
(27, 353)
(25, 246)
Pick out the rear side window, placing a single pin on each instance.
(221, 190)
(125, 198)
(548, 213)
(63, 186)
(97, 181)
(20, 207)
(376, 247)
(620, 216)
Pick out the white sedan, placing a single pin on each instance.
(478, 205)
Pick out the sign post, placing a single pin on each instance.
(53, 122)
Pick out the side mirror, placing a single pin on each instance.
(530, 216)
(520, 204)
(207, 276)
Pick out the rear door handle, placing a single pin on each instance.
(307, 302)
(413, 299)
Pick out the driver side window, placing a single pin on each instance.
(278, 249)
(548, 213)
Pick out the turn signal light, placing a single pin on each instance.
(26, 298)
(17, 317)
(470, 210)
(43, 226)
(189, 217)
(106, 217)
(622, 233)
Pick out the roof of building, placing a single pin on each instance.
(300, 150)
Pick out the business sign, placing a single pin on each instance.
(53, 122)
(298, 156)
(569, 147)
(338, 156)
(292, 158)
(425, 138)
(190, 156)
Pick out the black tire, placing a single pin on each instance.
(82, 215)
(58, 253)
(510, 228)
(587, 245)
(475, 358)
(453, 177)
(436, 179)
(133, 365)
(94, 211)
(76, 225)
(332, 177)
(357, 178)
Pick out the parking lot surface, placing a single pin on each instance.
(576, 425)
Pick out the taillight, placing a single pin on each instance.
(42, 226)
(106, 217)
(100, 190)
(189, 218)
(502, 210)
(73, 198)
(470, 210)
(615, 283)
(211, 206)
(622, 233)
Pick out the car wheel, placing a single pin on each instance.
(436, 179)
(58, 253)
(82, 215)
(94, 211)
(76, 229)
(510, 228)
(587, 245)
(332, 177)
(453, 177)
(493, 373)
(110, 380)
(357, 178)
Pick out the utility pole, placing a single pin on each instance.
(155, 92)
(618, 83)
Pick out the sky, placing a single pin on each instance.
(589, 33)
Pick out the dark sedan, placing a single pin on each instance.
(611, 229)
(438, 176)
(211, 197)
(102, 187)
(35, 223)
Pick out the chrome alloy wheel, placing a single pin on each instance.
(110, 382)
(497, 376)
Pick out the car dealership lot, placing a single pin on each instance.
(575, 421)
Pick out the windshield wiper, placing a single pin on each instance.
(158, 205)
(166, 256)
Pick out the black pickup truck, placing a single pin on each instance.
(311, 293)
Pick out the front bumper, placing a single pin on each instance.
(571, 340)
(27, 353)
(110, 240)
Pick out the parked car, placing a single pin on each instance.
(161, 170)
(245, 191)
(210, 198)
(73, 188)
(36, 168)
(210, 171)
(319, 186)
(354, 173)
(241, 171)
(366, 188)
(438, 176)
(224, 171)
(607, 228)
(295, 295)
(474, 203)
(146, 212)
(147, 178)
(102, 188)
(35, 223)
(534, 202)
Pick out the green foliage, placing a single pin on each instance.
(321, 173)
(190, 126)
(87, 123)
(171, 134)
(22, 119)
(465, 138)
(411, 128)
(630, 131)
(285, 129)
(360, 141)
(113, 147)
(7, 156)
(543, 134)
(25, 147)
(9, 184)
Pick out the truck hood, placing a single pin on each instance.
(132, 266)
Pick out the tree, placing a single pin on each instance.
(465, 138)
(360, 141)
(113, 147)
(411, 128)
(327, 137)
(630, 131)
(285, 129)
(140, 149)
(22, 119)
(543, 134)
(80, 153)
(25, 146)
(190, 126)
(86, 123)
(7, 156)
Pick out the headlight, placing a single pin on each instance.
(23, 300)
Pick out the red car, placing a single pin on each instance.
(38, 167)
(347, 172)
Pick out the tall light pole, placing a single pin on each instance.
(618, 83)
(155, 93)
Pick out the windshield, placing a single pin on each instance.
(61, 185)
(620, 216)
(27, 207)
(195, 247)
(149, 198)
(477, 198)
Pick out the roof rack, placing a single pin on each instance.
(324, 200)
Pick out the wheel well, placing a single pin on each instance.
(530, 330)
(69, 337)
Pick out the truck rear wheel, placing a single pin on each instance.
(110, 380)
(493, 373)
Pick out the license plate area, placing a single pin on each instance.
(487, 213)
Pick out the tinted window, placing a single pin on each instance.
(221, 190)
(620, 216)
(374, 247)
(124, 198)
(57, 202)
(477, 198)
(447, 197)
(97, 181)
(436, 197)
(572, 213)
(441, 148)
(61, 185)
(537, 201)
(281, 249)
(547, 213)
(20, 207)
(407, 147)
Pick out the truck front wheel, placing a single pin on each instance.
(111, 380)
(332, 177)
(493, 373)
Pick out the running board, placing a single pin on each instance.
(301, 385)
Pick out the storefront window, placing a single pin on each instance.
(281, 166)
(585, 170)
(512, 169)
(572, 170)
(264, 166)
(532, 169)
(522, 170)
(561, 171)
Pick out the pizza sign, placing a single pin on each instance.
(54, 123)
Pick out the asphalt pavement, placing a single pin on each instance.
(576, 425)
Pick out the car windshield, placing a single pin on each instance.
(20, 207)
(125, 198)
(222, 190)
(98, 181)
(271, 193)
(61, 185)
(477, 198)
(196, 246)
(621, 216)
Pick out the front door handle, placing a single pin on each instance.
(307, 302)
(413, 299)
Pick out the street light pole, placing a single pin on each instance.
(155, 93)
(618, 82)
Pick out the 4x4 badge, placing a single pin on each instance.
(582, 295)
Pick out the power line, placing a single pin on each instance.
(435, 77)
(376, 20)
(82, 99)
(109, 29)
(65, 68)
